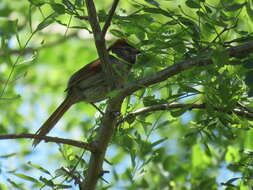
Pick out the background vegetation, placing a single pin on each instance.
(196, 132)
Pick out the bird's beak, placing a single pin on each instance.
(137, 51)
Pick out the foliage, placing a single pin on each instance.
(44, 41)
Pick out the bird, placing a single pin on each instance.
(89, 83)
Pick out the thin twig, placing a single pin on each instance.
(67, 29)
(245, 108)
(71, 142)
(170, 106)
(216, 37)
(32, 49)
(109, 18)
(78, 179)
(14, 66)
(72, 175)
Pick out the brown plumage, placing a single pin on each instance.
(89, 85)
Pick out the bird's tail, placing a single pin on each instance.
(53, 119)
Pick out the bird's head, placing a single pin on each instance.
(124, 50)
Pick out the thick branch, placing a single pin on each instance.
(170, 106)
(238, 51)
(100, 43)
(75, 143)
(95, 170)
(109, 18)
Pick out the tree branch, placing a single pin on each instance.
(100, 43)
(109, 18)
(75, 143)
(72, 175)
(108, 124)
(170, 106)
(95, 167)
(238, 51)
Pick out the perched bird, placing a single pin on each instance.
(89, 83)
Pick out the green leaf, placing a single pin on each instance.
(102, 15)
(249, 10)
(207, 149)
(189, 89)
(153, 2)
(79, 3)
(157, 11)
(78, 27)
(39, 168)
(128, 142)
(5, 10)
(232, 154)
(179, 112)
(208, 10)
(68, 4)
(130, 120)
(234, 7)
(22, 68)
(230, 181)
(14, 184)
(159, 155)
(173, 22)
(8, 155)
(113, 93)
(250, 92)
(63, 186)
(57, 7)
(133, 157)
(8, 27)
(46, 22)
(243, 39)
(26, 177)
(167, 163)
(220, 56)
(118, 33)
(199, 158)
(186, 21)
(37, 3)
(146, 147)
(159, 141)
(144, 184)
(249, 78)
(47, 182)
(243, 33)
(192, 4)
(200, 14)
(60, 172)
(248, 64)
(150, 100)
